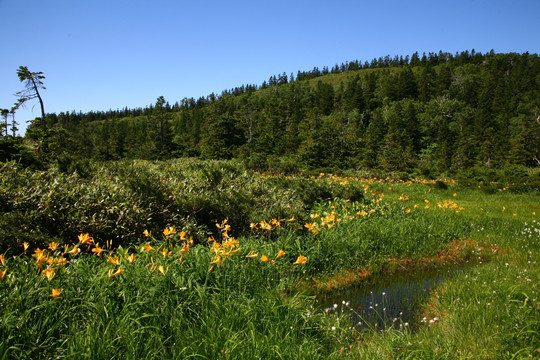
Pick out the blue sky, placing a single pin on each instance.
(109, 54)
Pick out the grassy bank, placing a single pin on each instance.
(196, 286)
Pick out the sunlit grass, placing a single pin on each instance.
(251, 296)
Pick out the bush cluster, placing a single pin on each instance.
(118, 200)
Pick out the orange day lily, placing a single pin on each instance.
(147, 247)
(169, 231)
(301, 260)
(85, 239)
(40, 255)
(162, 270)
(117, 272)
(130, 258)
(264, 258)
(73, 251)
(185, 249)
(60, 261)
(55, 292)
(265, 226)
(97, 250)
(280, 254)
(164, 252)
(49, 273)
(217, 260)
(113, 260)
(252, 254)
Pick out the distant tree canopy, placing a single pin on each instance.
(436, 113)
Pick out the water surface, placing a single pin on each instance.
(393, 301)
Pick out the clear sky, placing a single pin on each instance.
(109, 54)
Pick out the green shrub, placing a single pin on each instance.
(118, 200)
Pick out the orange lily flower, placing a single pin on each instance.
(55, 292)
(169, 231)
(300, 260)
(164, 252)
(147, 247)
(216, 247)
(280, 254)
(185, 249)
(73, 251)
(97, 250)
(61, 261)
(117, 272)
(252, 254)
(265, 226)
(113, 260)
(85, 239)
(38, 253)
(49, 273)
(162, 270)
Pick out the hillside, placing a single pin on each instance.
(438, 114)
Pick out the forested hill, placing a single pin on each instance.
(437, 113)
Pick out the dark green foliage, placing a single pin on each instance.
(15, 149)
(515, 178)
(438, 114)
(440, 185)
(118, 200)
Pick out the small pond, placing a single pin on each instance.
(390, 302)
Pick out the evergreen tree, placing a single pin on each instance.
(14, 123)
(4, 126)
(325, 97)
(406, 86)
(33, 83)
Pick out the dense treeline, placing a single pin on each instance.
(438, 113)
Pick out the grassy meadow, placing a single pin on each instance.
(207, 260)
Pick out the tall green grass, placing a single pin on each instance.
(246, 308)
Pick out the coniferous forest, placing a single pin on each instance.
(431, 114)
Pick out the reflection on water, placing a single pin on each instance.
(391, 302)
